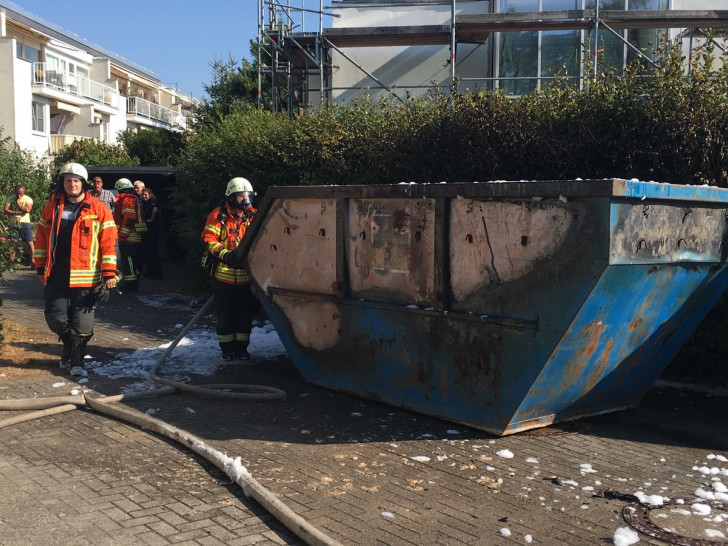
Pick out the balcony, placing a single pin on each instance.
(74, 85)
(59, 142)
(136, 107)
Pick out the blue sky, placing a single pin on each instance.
(176, 40)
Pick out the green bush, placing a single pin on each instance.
(158, 148)
(94, 152)
(18, 166)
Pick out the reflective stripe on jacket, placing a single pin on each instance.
(93, 241)
(218, 237)
(129, 218)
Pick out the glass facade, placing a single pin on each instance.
(528, 60)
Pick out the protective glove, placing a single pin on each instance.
(229, 257)
(101, 293)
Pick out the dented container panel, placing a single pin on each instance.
(391, 250)
(297, 248)
(505, 306)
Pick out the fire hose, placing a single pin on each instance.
(232, 467)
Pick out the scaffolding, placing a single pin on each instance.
(295, 60)
(299, 66)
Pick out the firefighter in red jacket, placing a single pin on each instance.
(129, 218)
(235, 304)
(75, 258)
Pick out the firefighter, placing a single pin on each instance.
(75, 258)
(235, 304)
(129, 218)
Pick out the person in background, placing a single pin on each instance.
(138, 188)
(105, 196)
(129, 218)
(75, 259)
(234, 301)
(18, 207)
(153, 219)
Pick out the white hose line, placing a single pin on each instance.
(36, 415)
(232, 467)
(40, 403)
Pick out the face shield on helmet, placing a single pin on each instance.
(237, 187)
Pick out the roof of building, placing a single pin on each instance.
(15, 12)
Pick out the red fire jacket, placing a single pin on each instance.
(129, 218)
(223, 231)
(93, 241)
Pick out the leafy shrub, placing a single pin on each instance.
(159, 148)
(18, 166)
(10, 252)
(94, 152)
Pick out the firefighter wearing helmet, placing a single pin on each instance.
(75, 258)
(129, 218)
(235, 304)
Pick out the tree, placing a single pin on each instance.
(157, 148)
(234, 86)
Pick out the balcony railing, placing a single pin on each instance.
(61, 141)
(73, 84)
(145, 109)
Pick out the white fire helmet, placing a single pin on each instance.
(123, 184)
(237, 185)
(75, 169)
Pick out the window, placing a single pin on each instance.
(38, 117)
(29, 53)
(560, 50)
(522, 68)
(644, 39)
(519, 62)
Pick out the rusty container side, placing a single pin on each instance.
(504, 306)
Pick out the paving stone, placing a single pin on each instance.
(85, 479)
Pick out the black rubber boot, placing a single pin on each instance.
(78, 349)
(65, 363)
(228, 351)
(241, 351)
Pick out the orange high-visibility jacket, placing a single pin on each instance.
(218, 237)
(93, 241)
(129, 218)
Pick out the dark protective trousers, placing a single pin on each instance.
(130, 254)
(236, 307)
(70, 310)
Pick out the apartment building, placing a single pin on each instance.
(56, 87)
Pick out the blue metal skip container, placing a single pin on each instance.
(501, 305)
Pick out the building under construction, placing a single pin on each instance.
(315, 53)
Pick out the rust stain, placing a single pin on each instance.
(590, 335)
(603, 363)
